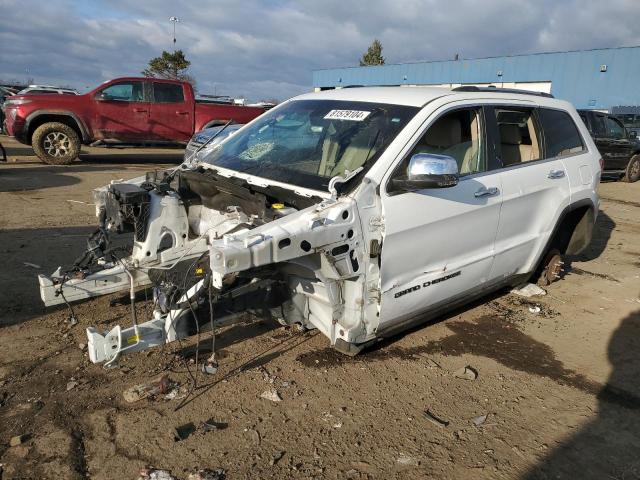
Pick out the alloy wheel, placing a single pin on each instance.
(57, 144)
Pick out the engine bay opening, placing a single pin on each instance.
(212, 246)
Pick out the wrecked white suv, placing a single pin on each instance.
(358, 212)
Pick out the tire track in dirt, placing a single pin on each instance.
(621, 202)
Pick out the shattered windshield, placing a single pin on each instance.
(307, 142)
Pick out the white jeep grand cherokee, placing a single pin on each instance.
(357, 211)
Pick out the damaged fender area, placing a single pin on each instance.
(213, 246)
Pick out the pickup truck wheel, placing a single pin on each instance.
(551, 268)
(56, 143)
(633, 170)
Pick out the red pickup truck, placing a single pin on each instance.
(125, 110)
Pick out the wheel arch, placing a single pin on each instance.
(40, 117)
(573, 230)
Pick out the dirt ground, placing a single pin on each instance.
(560, 388)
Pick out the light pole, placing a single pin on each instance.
(174, 20)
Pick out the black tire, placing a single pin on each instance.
(633, 170)
(56, 143)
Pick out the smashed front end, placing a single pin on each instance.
(213, 245)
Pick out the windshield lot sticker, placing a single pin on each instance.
(353, 115)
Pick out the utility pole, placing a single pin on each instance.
(174, 20)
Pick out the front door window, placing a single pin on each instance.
(124, 92)
(457, 134)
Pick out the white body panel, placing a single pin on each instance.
(432, 234)
(531, 205)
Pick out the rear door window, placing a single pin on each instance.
(519, 138)
(561, 135)
(167, 93)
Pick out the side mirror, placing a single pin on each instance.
(428, 170)
(102, 97)
(633, 134)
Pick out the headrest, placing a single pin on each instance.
(510, 134)
(445, 133)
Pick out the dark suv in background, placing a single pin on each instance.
(631, 122)
(620, 149)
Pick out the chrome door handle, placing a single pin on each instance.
(182, 113)
(140, 110)
(556, 174)
(486, 192)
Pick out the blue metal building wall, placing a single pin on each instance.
(574, 76)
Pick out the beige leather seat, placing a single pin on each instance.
(353, 156)
(513, 150)
(445, 138)
(443, 134)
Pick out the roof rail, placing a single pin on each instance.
(366, 86)
(473, 88)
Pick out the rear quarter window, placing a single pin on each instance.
(561, 135)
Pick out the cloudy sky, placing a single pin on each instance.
(268, 48)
